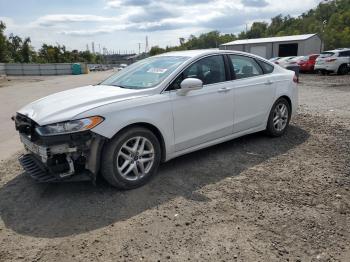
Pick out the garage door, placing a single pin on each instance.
(258, 50)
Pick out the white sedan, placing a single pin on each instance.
(152, 111)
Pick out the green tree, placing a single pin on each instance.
(26, 51)
(14, 47)
(4, 55)
(257, 30)
(156, 50)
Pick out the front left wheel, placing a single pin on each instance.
(131, 158)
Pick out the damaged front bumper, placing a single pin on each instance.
(69, 157)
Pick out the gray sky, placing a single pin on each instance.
(121, 24)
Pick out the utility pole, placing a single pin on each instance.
(324, 23)
(93, 47)
(146, 46)
(139, 44)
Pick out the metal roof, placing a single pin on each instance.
(270, 39)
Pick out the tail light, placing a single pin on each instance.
(331, 59)
(295, 79)
(277, 62)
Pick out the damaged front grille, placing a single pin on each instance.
(36, 169)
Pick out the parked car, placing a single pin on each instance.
(283, 61)
(334, 61)
(154, 110)
(92, 68)
(295, 60)
(290, 63)
(274, 59)
(117, 68)
(307, 64)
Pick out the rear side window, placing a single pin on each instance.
(267, 68)
(344, 53)
(326, 54)
(245, 67)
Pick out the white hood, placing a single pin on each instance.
(66, 105)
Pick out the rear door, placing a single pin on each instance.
(253, 91)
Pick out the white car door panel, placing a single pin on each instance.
(253, 93)
(205, 114)
(252, 101)
(202, 115)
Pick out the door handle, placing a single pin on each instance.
(268, 82)
(224, 90)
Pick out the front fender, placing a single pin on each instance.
(155, 110)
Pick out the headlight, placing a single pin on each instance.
(69, 126)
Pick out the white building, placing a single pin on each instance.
(295, 45)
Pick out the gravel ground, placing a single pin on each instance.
(251, 199)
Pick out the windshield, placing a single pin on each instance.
(146, 73)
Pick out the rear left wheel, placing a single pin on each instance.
(279, 118)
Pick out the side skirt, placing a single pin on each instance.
(215, 142)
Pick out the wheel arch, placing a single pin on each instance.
(288, 100)
(153, 129)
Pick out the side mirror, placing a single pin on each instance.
(189, 84)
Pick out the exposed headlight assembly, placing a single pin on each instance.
(68, 127)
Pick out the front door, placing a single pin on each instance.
(206, 114)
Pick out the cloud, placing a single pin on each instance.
(53, 20)
(121, 3)
(151, 14)
(255, 3)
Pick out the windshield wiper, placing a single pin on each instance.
(121, 86)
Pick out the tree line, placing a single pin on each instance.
(330, 19)
(14, 49)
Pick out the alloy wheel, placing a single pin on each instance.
(135, 158)
(280, 117)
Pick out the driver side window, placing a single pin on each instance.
(210, 70)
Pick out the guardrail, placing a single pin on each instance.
(38, 69)
(2, 69)
(18, 69)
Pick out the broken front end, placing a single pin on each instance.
(55, 155)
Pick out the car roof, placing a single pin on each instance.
(337, 50)
(201, 52)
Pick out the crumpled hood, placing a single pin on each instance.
(66, 105)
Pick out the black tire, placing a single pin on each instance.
(343, 70)
(270, 127)
(110, 152)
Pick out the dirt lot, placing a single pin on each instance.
(251, 199)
